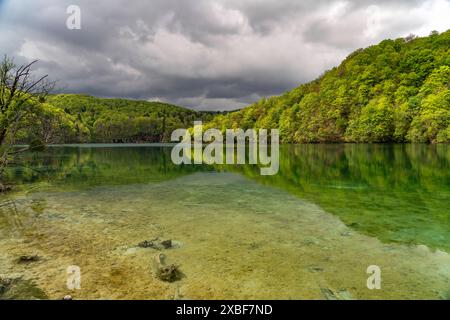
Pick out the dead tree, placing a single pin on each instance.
(20, 93)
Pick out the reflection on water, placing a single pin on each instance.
(313, 229)
(397, 193)
(78, 167)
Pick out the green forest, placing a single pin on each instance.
(71, 118)
(396, 91)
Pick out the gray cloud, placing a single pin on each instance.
(201, 53)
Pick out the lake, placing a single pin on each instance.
(309, 232)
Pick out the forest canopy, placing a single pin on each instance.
(396, 91)
(72, 118)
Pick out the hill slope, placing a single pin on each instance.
(396, 91)
(67, 118)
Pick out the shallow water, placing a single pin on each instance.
(310, 230)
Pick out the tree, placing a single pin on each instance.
(396, 91)
(20, 93)
(410, 37)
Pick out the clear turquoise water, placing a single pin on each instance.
(331, 211)
(398, 193)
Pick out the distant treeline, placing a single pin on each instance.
(71, 118)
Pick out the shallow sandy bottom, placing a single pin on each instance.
(237, 240)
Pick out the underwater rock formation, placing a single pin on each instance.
(28, 258)
(341, 294)
(168, 273)
(20, 289)
(157, 244)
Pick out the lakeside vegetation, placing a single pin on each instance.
(396, 91)
(73, 118)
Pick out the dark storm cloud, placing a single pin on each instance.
(200, 53)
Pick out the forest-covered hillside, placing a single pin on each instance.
(396, 91)
(68, 118)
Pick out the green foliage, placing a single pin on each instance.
(67, 118)
(375, 123)
(37, 146)
(50, 125)
(396, 91)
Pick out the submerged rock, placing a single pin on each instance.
(5, 284)
(28, 258)
(20, 289)
(166, 244)
(169, 273)
(315, 269)
(341, 294)
(328, 294)
(67, 297)
(147, 244)
(157, 244)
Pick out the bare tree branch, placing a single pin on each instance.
(20, 93)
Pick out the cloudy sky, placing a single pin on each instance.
(204, 54)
